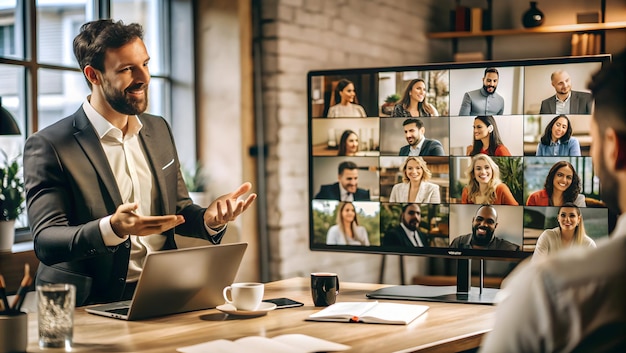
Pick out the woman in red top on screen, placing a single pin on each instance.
(484, 186)
(487, 138)
(562, 186)
(414, 102)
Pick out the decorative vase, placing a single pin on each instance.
(7, 235)
(533, 17)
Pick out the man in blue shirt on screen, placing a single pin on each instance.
(484, 101)
(573, 301)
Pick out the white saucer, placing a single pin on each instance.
(231, 310)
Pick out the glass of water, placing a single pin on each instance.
(56, 315)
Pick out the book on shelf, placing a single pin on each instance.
(585, 44)
(291, 343)
(373, 312)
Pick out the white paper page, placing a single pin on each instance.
(312, 344)
(217, 346)
(396, 312)
(257, 344)
(347, 309)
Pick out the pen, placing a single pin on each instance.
(3, 294)
(21, 292)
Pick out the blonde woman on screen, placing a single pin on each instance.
(347, 230)
(570, 232)
(485, 186)
(345, 95)
(415, 186)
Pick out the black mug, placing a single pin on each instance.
(324, 288)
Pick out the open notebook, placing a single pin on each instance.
(176, 281)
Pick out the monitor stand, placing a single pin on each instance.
(461, 293)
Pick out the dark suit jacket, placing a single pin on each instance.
(397, 237)
(331, 192)
(70, 187)
(429, 148)
(580, 103)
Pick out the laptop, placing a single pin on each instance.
(176, 281)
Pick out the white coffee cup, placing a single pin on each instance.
(245, 296)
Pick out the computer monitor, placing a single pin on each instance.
(418, 160)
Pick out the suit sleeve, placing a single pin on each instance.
(466, 105)
(395, 194)
(437, 149)
(545, 108)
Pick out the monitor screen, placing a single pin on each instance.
(462, 160)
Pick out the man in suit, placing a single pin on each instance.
(484, 225)
(419, 145)
(104, 186)
(485, 100)
(566, 101)
(346, 189)
(573, 301)
(407, 233)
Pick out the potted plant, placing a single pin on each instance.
(390, 102)
(196, 182)
(11, 200)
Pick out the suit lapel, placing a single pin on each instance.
(89, 141)
(152, 153)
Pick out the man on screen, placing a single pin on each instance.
(485, 100)
(346, 188)
(565, 101)
(484, 225)
(407, 233)
(573, 301)
(419, 145)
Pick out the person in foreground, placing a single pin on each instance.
(574, 301)
(347, 230)
(484, 226)
(570, 232)
(104, 186)
(407, 233)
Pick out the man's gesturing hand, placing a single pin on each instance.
(228, 207)
(126, 222)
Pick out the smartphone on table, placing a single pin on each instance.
(282, 303)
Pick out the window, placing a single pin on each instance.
(41, 81)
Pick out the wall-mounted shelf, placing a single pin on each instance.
(586, 27)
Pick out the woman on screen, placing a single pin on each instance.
(347, 230)
(487, 138)
(570, 232)
(557, 139)
(348, 143)
(562, 186)
(415, 186)
(346, 107)
(413, 102)
(485, 186)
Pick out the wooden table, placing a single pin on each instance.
(444, 328)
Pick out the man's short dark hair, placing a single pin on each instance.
(491, 69)
(96, 37)
(417, 122)
(347, 165)
(608, 87)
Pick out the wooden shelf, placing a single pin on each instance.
(586, 27)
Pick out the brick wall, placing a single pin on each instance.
(303, 35)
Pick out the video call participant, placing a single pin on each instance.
(348, 143)
(562, 186)
(419, 145)
(570, 232)
(484, 225)
(413, 102)
(346, 106)
(346, 189)
(407, 233)
(557, 139)
(565, 101)
(347, 230)
(415, 186)
(484, 101)
(485, 186)
(104, 185)
(487, 138)
(574, 301)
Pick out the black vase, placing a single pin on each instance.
(533, 17)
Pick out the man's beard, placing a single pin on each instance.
(486, 88)
(481, 240)
(412, 225)
(610, 186)
(123, 104)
